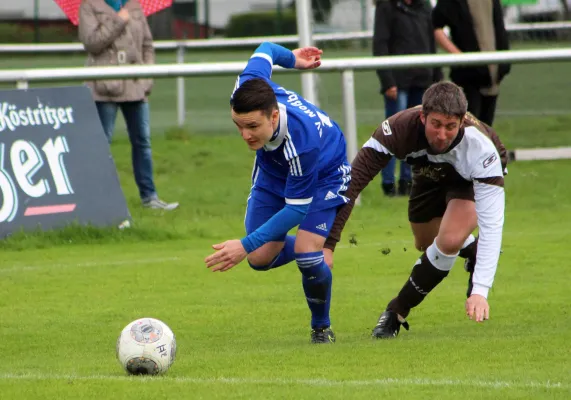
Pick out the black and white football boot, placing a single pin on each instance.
(388, 326)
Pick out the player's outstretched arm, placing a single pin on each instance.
(232, 252)
(366, 165)
(227, 255)
(264, 58)
(490, 206)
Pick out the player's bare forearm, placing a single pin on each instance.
(444, 42)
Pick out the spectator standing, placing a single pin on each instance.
(116, 32)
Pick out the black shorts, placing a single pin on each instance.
(428, 199)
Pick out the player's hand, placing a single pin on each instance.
(328, 257)
(477, 308)
(307, 57)
(227, 255)
(392, 93)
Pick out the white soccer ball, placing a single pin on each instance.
(146, 346)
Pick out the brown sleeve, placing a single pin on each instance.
(364, 168)
(398, 133)
(501, 149)
(495, 180)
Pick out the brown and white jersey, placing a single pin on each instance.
(476, 156)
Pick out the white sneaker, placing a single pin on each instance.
(158, 204)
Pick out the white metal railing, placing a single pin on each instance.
(346, 65)
(233, 67)
(251, 41)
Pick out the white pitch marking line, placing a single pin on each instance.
(90, 264)
(301, 382)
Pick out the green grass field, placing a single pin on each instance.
(66, 295)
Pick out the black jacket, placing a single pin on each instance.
(456, 15)
(404, 29)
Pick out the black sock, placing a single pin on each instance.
(470, 250)
(469, 253)
(423, 278)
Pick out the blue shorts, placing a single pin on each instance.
(263, 205)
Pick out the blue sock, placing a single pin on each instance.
(317, 279)
(284, 257)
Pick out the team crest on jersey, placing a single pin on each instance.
(489, 161)
(386, 128)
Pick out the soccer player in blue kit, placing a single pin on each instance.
(299, 179)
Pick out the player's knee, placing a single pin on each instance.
(259, 262)
(259, 268)
(450, 244)
(441, 259)
(308, 242)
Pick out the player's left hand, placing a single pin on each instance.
(477, 308)
(307, 57)
(227, 255)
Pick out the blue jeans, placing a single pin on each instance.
(136, 114)
(405, 99)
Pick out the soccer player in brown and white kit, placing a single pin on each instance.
(458, 167)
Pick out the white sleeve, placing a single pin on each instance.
(488, 178)
(490, 206)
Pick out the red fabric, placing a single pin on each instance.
(71, 7)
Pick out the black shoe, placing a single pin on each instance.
(404, 188)
(322, 335)
(389, 189)
(388, 326)
(469, 265)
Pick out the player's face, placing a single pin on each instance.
(256, 127)
(440, 130)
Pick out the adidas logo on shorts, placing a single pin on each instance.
(322, 227)
(330, 195)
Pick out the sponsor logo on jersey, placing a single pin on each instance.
(490, 160)
(386, 128)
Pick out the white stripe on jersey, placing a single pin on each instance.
(236, 86)
(255, 173)
(298, 202)
(377, 146)
(264, 56)
(416, 154)
(288, 156)
(293, 159)
(255, 176)
(346, 178)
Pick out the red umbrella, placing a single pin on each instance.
(71, 7)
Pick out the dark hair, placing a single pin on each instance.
(445, 98)
(254, 95)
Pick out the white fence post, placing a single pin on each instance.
(308, 79)
(180, 92)
(350, 116)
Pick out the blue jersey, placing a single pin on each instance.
(308, 150)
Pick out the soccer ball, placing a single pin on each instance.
(146, 346)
